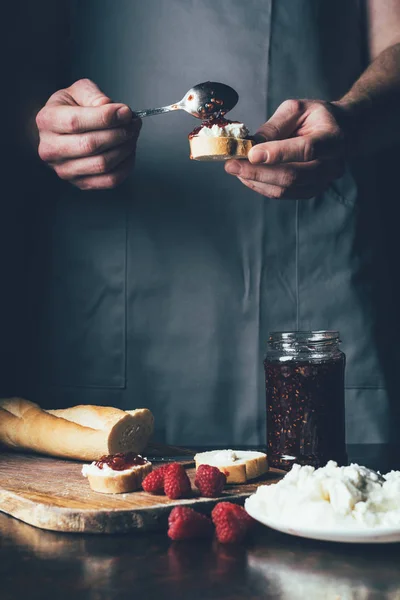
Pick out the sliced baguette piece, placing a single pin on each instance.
(219, 148)
(239, 466)
(116, 482)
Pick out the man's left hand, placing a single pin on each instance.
(300, 154)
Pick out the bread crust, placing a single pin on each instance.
(218, 148)
(24, 425)
(130, 428)
(120, 484)
(245, 471)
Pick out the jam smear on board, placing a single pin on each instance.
(305, 412)
(121, 461)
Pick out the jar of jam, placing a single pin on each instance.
(304, 375)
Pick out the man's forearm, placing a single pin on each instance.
(370, 111)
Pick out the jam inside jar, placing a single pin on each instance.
(304, 375)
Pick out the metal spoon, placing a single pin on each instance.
(367, 471)
(203, 101)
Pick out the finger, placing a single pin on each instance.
(280, 175)
(280, 193)
(54, 147)
(288, 175)
(108, 180)
(270, 191)
(299, 149)
(283, 122)
(83, 93)
(86, 93)
(94, 165)
(76, 119)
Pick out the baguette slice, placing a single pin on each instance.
(116, 482)
(219, 148)
(239, 466)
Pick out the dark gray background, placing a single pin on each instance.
(162, 293)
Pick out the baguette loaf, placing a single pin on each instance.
(130, 428)
(81, 432)
(239, 466)
(219, 148)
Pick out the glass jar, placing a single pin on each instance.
(304, 375)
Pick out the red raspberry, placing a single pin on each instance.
(176, 482)
(185, 523)
(210, 481)
(232, 523)
(154, 481)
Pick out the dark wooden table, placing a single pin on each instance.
(36, 564)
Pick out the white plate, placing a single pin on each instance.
(354, 536)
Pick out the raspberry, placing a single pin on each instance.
(176, 482)
(154, 481)
(185, 523)
(232, 523)
(210, 481)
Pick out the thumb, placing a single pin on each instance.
(86, 93)
(283, 123)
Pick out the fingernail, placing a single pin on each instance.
(233, 167)
(256, 155)
(123, 114)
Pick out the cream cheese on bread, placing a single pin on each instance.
(105, 471)
(235, 130)
(239, 466)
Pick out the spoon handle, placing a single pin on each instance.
(149, 112)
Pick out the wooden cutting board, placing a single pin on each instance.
(52, 494)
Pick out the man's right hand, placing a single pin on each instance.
(86, 138)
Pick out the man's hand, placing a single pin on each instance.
(301, 152)
(86, 138)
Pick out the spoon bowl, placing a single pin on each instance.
(204, 101)
(209, 100)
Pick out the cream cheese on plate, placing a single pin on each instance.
(350, 497)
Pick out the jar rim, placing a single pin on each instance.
(320, 335)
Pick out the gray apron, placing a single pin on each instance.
(161, 293)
